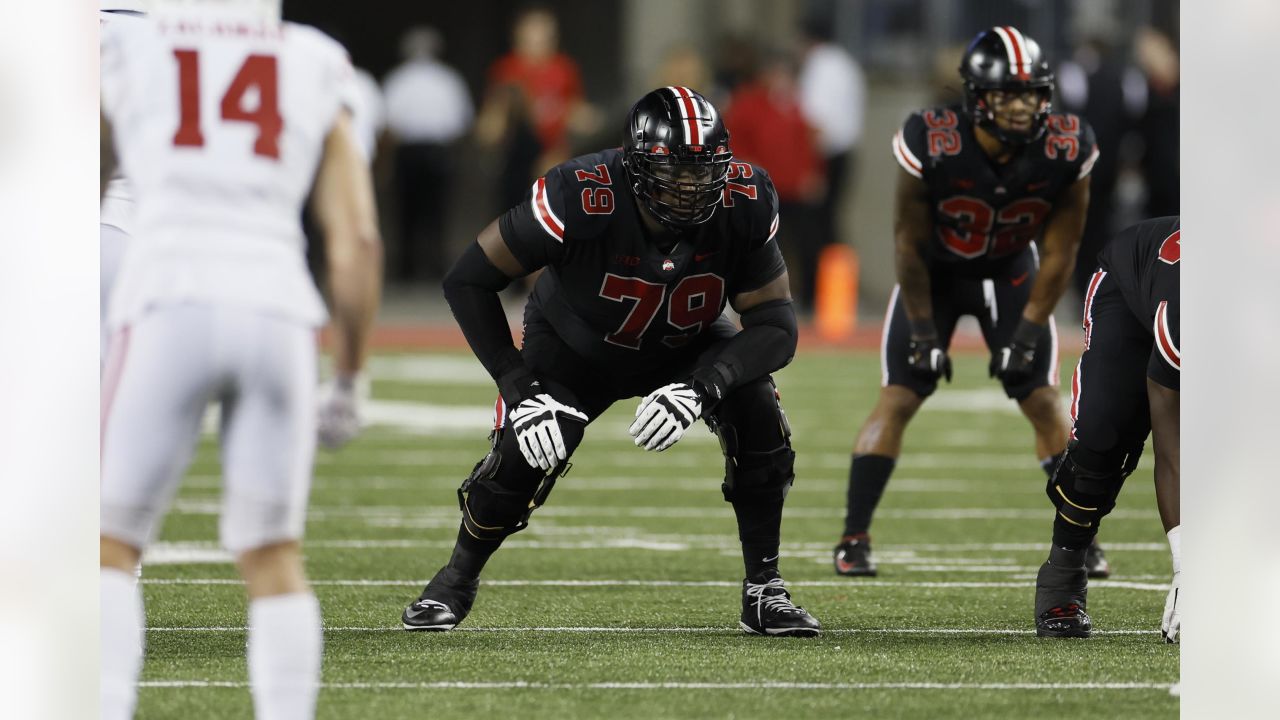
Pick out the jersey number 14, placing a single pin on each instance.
(259, 72)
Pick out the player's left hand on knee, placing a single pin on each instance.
(338, 421)
(1015, 362)
(664, 415)
(1171, 622)
(536, 422)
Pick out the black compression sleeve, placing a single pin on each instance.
(767, 343)
(471, 288)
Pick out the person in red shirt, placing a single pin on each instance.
(768, 128)
(533, 102)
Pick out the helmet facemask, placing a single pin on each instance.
(988, 106)
(682, 188)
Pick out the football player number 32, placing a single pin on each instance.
(258, 74)
(695, 304)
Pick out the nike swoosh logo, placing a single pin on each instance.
(1020, 279)
(699, 257)
(775, 557)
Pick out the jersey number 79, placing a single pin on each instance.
(258, 72)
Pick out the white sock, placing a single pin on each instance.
(122, 640)
(285, 641)
(1175, 547)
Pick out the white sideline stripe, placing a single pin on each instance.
(640, 630)
(521, 685)
(845, 584)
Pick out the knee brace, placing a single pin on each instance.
(1086, 483)
(753, 475)
(492, 510)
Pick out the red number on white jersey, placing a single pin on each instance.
(260, 73)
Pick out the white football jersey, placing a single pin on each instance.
(117, 198)
(219, 125)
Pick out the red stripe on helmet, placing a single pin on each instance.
(1015, 39)
(691, 115)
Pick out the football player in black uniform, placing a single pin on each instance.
(1126, 386)
(979, 183)
(642, 247)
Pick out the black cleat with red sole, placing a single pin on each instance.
(852, 557)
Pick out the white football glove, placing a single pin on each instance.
(1171, 623)
(538, 431)
(338, 421)
(664, 415)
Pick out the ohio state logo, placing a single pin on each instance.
(668, 265)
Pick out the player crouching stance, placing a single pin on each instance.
(643, 246)
(1126, 386)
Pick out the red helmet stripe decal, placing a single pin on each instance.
(689, 111)
(1015, 47)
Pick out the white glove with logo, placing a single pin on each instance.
(538, 430)
(1171, 623)
(338, 422)
(664, 415)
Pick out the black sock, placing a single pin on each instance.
(1071, 536)
(868, 475)
(1066, 557)
(759, 529)
(470, 554)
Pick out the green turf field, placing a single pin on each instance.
(622, 598)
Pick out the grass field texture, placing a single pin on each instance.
(622, 598)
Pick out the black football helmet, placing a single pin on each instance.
(676, 152)
(1004, 59)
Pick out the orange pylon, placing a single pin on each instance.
(836, 307)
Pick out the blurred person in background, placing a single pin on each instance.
(1156, 54)
(833, 96)
(682, 65)
(533, 103)
(644, 247)
(1126, 387)
(769, 128)
(979, 184)
(214, 304)
(428, 109)
(1098, 84)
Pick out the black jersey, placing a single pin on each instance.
(1143, 260)
(985, 214)
(608, 291)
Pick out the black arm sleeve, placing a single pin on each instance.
(471, 288)
(767, 343)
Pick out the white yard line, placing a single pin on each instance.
(845, 584)
(678, 630)
(521, 685)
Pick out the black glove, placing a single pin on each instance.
(1013, 362)
(925, 354)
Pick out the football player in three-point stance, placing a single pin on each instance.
(1126, 386)
(979, 183)
(222, 116)
(642, 247)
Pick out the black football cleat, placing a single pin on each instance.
(852, 557)
(1064, 621)
(767, 609)
(444, 603)
(1095, 561)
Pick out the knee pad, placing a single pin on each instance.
(492, 510)
(1086, 483)
(752, 474)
